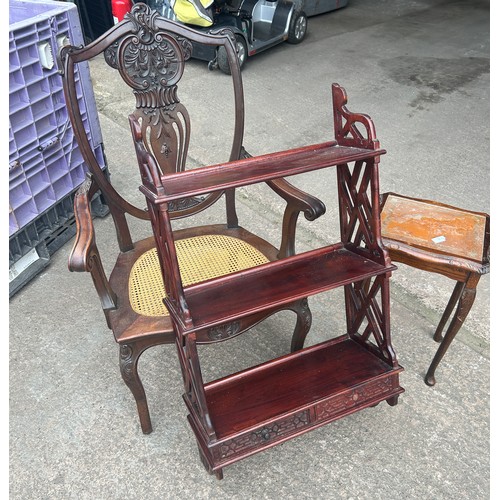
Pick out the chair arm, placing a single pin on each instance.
(84, 256)
(84, 245)
(298, 200)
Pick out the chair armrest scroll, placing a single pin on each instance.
(298, 200)
(84, 256)
(79, 259)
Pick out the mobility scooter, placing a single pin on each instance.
(257, 24)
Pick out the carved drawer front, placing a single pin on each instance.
(355, 397)
(262, 436)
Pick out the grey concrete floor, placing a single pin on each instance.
(420, 69)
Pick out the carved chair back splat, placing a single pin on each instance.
(150, 53)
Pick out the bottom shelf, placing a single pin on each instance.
(273, 402)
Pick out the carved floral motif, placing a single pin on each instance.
(262, 435)
(342, 402)
(150, 58)
(183, 203)
(224, 331)
(127, 363)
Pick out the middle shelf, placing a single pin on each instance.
(230, 297)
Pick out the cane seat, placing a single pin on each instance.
(200, 258)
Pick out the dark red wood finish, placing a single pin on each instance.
(258, 169)
(271, 286)
(249, 411)
(264, 392)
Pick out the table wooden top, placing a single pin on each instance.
(434, 227)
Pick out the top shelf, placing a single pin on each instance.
(259, 169)
(274, 284)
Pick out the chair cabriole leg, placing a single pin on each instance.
(303, 325)
(129, 356)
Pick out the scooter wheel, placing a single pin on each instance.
(298, 28)
(241, 49)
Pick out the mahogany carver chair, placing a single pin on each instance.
(149, 53)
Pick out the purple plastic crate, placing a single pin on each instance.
(30, 249)
(45, 164)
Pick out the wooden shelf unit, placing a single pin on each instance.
(257, 408)
(262, 168)
(298, 380)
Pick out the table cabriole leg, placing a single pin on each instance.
(457, 293)
(464, 306)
